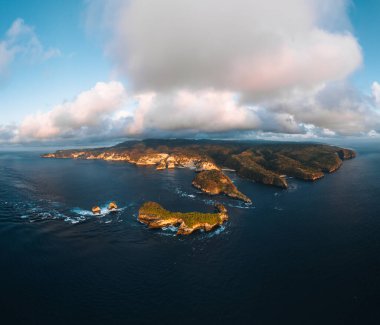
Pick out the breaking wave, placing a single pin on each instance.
(49, 211)
(103, 211)
(184, 194)
(211, 201)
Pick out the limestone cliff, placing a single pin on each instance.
(263, 162)
(155, 216)
(214, 182)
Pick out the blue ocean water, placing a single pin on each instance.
(306, 255)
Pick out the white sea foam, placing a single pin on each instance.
(292, 187)
(103, 211)
(241, 205)
(209, 202)
(43, 210)
(184, 194)
(74, 220)
(37, 214)
(216, 232)
(171, 228)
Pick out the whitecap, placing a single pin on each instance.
(209, 202)
(218, 231)
(103, 211)
(241, 206)
(171, 228)
(74, 220)
(184, 194)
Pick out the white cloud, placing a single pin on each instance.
(87, 114)
(251, 46)
(21, 40)
(373, 134)
(7, 133)
(287, 59)
(184, 111)
(106, 111)
(218, 67)
(376, 92)
(337, 106)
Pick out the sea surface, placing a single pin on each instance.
(306, 255)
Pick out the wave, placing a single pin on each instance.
(104, 211)
(200, 196)
(235, 204)
(292, 187)
(48, 211)
(184, 194)
(38, 214)
(241, 205)
(171, 228)
(217, 231)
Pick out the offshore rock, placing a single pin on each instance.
(96, 210)
(112, 206)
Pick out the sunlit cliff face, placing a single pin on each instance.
(264, 163)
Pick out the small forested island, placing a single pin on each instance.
(155, 216)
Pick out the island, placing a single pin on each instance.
(266, 162)
(155, 216)
(214, 182)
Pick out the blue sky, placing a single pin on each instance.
(38, 86)
(149, 47)
(366, 23)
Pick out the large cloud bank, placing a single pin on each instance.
(221, 67)
(253, 46)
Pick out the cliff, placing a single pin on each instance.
(155, 216)
(214, 182)
(263, 162)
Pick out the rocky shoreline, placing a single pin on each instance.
(269, 163)
(155, 216)
(214, 182)
(263, 162)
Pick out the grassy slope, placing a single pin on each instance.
(190, 218)
(263, 162)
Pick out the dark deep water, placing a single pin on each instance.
(307, 255)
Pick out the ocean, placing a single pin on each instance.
(306, 255)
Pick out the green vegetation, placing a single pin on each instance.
(215, 182)
(189, 218)
(264, 162)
